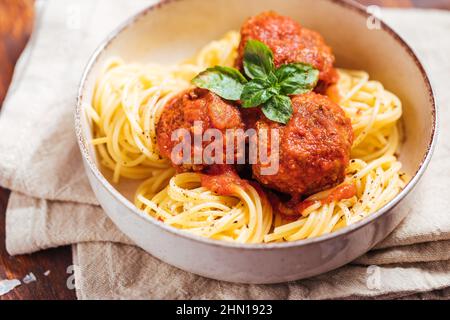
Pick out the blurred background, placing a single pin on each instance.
(16, 25)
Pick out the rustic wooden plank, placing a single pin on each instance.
(16, 21)
(53, 286)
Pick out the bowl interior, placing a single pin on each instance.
(175, 30)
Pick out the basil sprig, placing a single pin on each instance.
(226, 82)
(264, 86)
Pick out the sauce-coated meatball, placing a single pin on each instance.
(290, 43)
(314, 147)
(196, 105)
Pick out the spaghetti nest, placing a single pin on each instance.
(128, 101)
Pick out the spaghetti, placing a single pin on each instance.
(129, 99)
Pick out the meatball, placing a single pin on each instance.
(314, 147)
(196, 105)
(290, 43)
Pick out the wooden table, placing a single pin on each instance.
(16, 20)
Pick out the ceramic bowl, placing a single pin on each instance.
(173, 30)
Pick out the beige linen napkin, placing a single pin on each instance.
(52, 204)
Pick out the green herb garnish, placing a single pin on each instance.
(226, 82)
(265, 85)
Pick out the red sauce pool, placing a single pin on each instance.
(222, 179)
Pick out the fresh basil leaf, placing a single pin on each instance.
(297, 78)
(278, 109)
(256, 92)
(226, 82)
(258, 60)
(232, 72)
(272, 78)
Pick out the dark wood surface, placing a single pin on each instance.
(16, 21)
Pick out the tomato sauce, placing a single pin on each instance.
(222, 179)
(344, 191)
(294, 208)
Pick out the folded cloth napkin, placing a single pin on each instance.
(52, 204)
